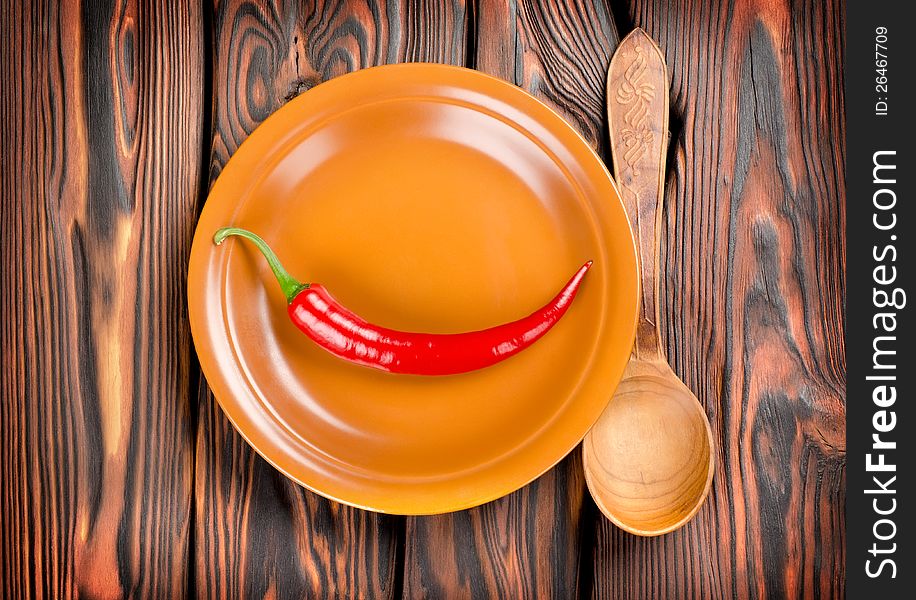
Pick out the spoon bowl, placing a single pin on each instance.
(649, 460)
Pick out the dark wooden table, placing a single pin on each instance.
(120, 474)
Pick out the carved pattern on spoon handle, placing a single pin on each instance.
(637, 135)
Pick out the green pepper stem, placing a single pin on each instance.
(289, 284)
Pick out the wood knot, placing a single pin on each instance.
(300, 85)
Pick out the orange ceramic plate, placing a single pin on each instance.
(426, 198)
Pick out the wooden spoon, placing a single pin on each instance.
(649, 459)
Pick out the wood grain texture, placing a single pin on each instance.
(258, 534)
(528, 544)
(268, 52)
(115, 117)
(753, 279)
(557, 51)
(99, 191)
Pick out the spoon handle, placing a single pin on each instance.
(637, 108)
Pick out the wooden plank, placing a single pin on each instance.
(528, 544)
(100, 118)
(258, 534)
(753, 278)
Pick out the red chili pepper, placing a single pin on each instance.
(352, 338)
